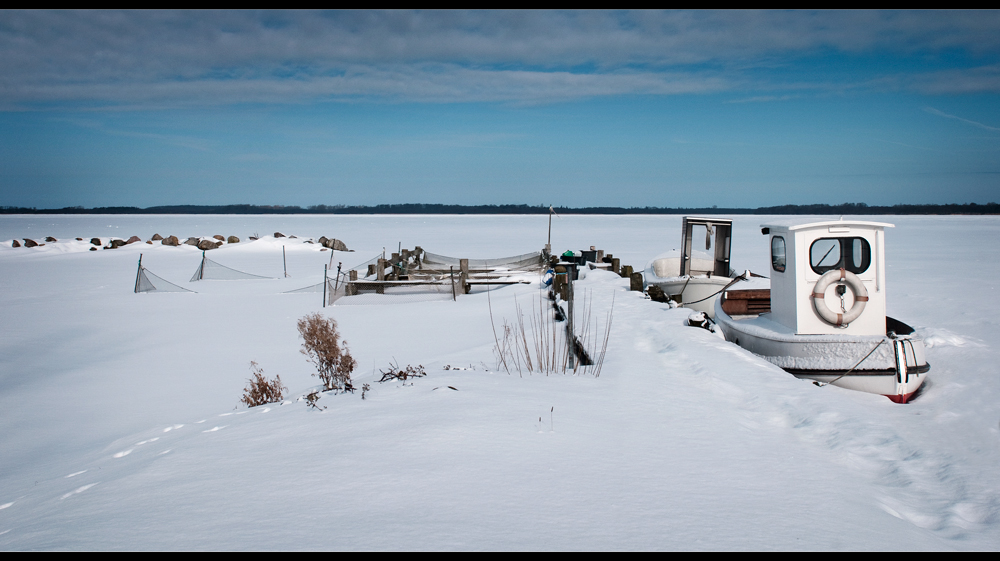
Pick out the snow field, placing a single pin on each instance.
(120, 432)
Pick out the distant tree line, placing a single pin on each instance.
(417, 208)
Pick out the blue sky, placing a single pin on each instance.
(645, 108)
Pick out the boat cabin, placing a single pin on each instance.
(691, 260)
(828, 277)
(691, 228)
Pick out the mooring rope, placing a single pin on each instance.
(734, 281)
(858, 364)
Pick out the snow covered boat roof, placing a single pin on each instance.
(793, 225)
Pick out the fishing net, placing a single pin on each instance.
(146, 281)
(533, 260)
(210, 270)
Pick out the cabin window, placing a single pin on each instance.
(778, 254)
(853, 254)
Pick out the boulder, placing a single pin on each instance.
(133, 239)
(96, 241)
(171, 240)
(208, 244)
(156, 237)
(233, 239)
(333, 244)
(115, 244)
(29, 243)
(16, 243)
(279, 235)
(192, 241)
(323, 240)
(93, 249)
(150, 242)
(220, 238)
(50, 239)
(79, 239)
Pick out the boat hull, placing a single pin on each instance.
(891, 365)
(696, 293)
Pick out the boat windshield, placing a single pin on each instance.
(853, 254)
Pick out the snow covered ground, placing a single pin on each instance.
(121, 426)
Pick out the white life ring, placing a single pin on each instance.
(819, 297)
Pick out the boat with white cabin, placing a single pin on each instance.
(690, 277)
(824, 316)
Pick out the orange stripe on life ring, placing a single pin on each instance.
(817, 295)
(861, 299)
(840, 320)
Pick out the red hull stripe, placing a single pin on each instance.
(901, 398)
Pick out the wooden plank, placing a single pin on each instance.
(751, 294)
(483, 282)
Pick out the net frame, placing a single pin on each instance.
(144, 282)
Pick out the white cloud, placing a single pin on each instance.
(204, 57)
(939, 113)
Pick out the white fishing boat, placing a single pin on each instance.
(824, 316)
(690, 277)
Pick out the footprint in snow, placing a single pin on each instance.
(266, 409)
(73, 475)
(6, 505)
(175, 427)
(123, 453)
(80, 490)
(213, 429)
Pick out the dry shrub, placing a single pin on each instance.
(311, 400)
(261, 390)
(322, 345)
(397, 373)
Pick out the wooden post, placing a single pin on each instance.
(626, 271)
(635, 282)
(548, 241)
(600, 256)
(380, 275)
(463, 264)
(324, 285)
(559, 281)
(453, 297)
(570, 334)
(351, 289)
(616, 265)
